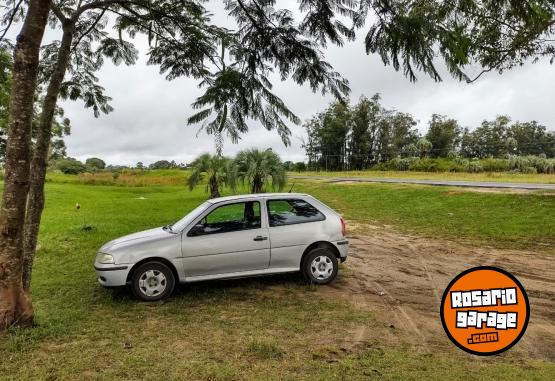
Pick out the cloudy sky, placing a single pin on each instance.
(149, 121)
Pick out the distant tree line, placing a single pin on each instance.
(367, 134)
(72, 166)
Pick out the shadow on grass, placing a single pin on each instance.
(238, 289)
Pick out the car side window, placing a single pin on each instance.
(229, 218)
(292, 211)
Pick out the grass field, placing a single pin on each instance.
(498, 219)
(266, 328)
(488, 176)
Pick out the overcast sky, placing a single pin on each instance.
(149, 120)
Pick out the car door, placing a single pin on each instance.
(293, 224)
(229, 238)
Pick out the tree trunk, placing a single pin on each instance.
(214, 187)
(39, 162)
(15, 305)
(257, 185)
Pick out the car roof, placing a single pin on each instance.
(255, 195)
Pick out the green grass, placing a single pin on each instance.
(265, 328)
(487, 176)
(524, 220)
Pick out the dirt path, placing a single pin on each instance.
(401, 278)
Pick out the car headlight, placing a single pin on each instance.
(104, 258)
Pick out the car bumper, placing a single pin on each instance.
(343, 248)
(111, 275)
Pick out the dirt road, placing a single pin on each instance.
(401, 279)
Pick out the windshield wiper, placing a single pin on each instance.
(168, 227)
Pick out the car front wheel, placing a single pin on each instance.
(153, 281)
(320, 266)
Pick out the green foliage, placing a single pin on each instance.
(494, 165)
(494, 35)
(218, 170)
(69, 166)
(300, 166)
(160, 164)
(366, 134)
(259, 170)
(358, 136)
(328, 135)
(523, 164)
(443, 134)
(94, 163)
(423, 146)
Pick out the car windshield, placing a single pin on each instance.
(182, 223)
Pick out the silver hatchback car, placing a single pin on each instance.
(229, 237)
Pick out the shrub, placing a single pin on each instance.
(529, 170)
(399, 164)
(474, 166)
(425, 165)
(494, 165)
(70, 166)
(523, 164)
(300, 166)
(94, 163)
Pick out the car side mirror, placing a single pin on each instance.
(198, 229)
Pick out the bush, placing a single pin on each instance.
(94, 163)
(425, 165)
(529, 170)
(474, 166)
(160, 164)
(70, 166)
(494, 165)
(300, 166)
(523, 164)
(400, 164)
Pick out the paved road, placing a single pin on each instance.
(454, 183)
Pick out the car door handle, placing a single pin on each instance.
(260, 238)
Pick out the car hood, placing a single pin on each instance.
(135, 238)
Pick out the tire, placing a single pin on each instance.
(152, 281)
(320, 266)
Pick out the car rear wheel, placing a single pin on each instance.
(320, 266)
(152, 281)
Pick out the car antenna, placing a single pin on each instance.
(290, 189)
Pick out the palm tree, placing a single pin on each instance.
(217, 168)
(259, 169)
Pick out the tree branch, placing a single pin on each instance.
(58, 13)
(89, 29)
(98, 4)
(11, 20)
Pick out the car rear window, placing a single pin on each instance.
(292, 211)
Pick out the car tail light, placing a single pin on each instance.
(343, 227)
